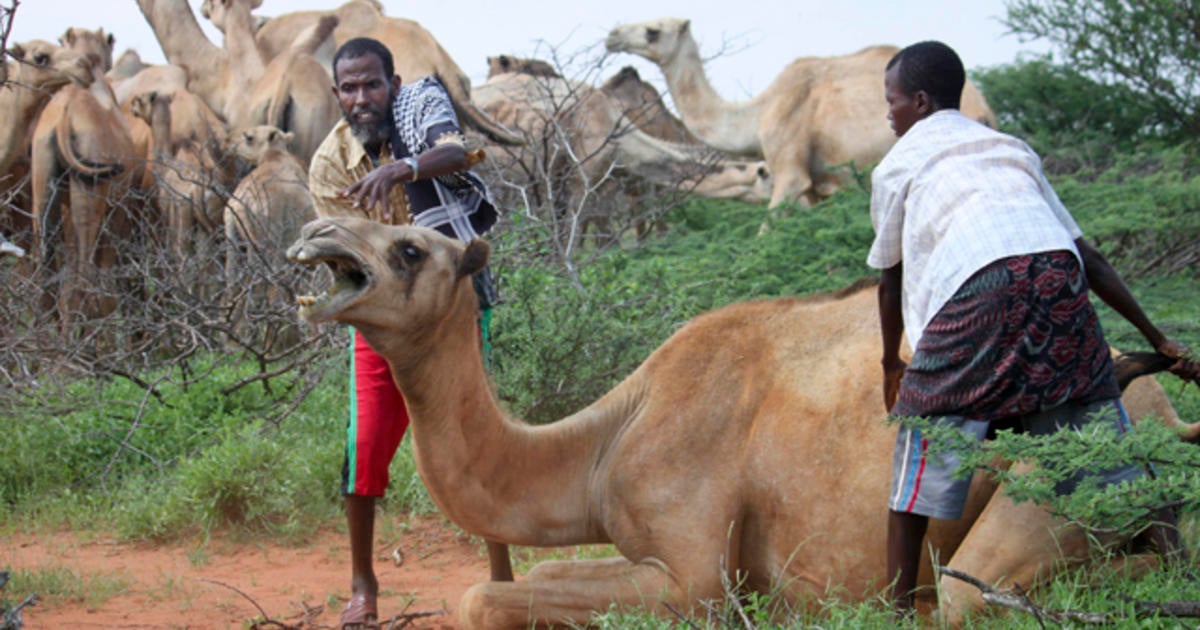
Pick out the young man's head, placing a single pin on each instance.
(365, 83)
(920, 80)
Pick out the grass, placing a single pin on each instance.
(54, 585)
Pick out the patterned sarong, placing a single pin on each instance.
(1019, 337)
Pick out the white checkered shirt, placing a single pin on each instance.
(950, 197)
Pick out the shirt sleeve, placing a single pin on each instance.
(438, 123)
(887, 217)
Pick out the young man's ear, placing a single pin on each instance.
(923, 103)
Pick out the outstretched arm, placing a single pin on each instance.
(1106, 283)
(372, 190)
(891, 324)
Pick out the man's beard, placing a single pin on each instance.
(374, 134)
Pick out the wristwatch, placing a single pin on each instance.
(412, 164)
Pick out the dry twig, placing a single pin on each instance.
(1018, 600)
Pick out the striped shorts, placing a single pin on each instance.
(924, 482)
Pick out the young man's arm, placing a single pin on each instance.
(891, 324)
(1106, 283)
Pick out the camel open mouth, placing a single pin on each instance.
(351, 279)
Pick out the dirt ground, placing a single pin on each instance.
(226, 584)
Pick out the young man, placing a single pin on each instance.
(988, 272)
(391, 134)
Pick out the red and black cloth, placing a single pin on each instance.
(1019, 336)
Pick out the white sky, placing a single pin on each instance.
(759, 41)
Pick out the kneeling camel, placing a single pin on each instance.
(752, 442)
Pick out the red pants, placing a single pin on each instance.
(378, 420)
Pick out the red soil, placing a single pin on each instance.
(165, 589)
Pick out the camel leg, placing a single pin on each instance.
(569, 601)
(590, 569)
(498, 560)
(1011, 543)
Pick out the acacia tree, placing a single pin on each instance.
(1152, 46)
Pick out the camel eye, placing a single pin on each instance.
(411, 254)
(41, 59)
(652, 35)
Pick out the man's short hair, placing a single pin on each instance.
(933, 67)
(361, 47)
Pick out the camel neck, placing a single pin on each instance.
(492, 475)
(723, 125)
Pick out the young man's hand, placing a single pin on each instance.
(1186, 365)
(892, 373)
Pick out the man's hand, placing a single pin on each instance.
(893, 371)
(373, 189)
(1186, 366)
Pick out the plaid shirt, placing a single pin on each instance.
(950, 197)
(341, 161)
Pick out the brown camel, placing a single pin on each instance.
(501, 64)
(818, 114)
(642, 104)
(417, 53)
(85, 176)
(750, 445)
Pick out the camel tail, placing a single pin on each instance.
(476, 118)
(279, 108)
(1132, 365)
(86, 170)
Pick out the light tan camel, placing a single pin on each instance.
(417, 53)
(819, 113)
(642, 104)
(126, 66)
(39, 69)
(185, 46)
(271, 202)
(191, 178)
(97, 43)
(291, 92)
(751, 444)
(85, 176)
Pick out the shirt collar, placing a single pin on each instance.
(356, 153)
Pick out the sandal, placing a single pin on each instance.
(360, 612)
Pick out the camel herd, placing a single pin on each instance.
(88, 128)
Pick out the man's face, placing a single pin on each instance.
(904, 110)
(365, 94)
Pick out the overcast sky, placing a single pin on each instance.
(757, 42)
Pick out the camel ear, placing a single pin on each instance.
(112, 39)
(505, 62)
(288, 136)
(68, 38)
(17, 51)
(474, 258)
(686, 26)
